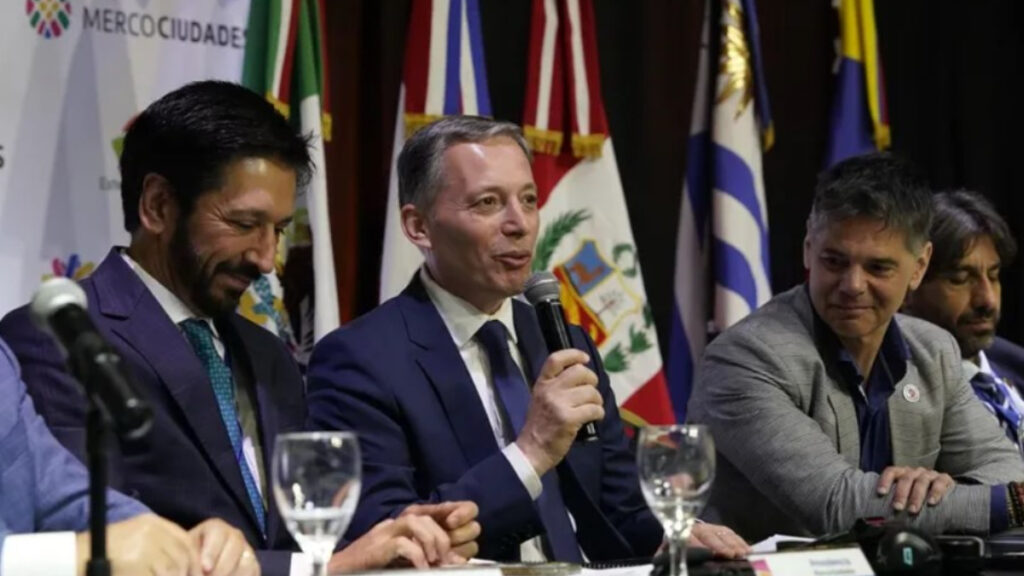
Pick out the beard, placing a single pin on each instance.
(188, 266)
(970, 341)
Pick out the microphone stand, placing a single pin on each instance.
(98, 424)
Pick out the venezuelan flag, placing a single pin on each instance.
(860, 118)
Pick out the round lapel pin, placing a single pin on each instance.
(911, 393)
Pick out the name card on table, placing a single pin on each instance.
(831, 562)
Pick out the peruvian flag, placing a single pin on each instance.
(586, 239)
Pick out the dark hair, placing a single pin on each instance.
(191, 134)
(419, 164)
(879, 186)
(961, 217)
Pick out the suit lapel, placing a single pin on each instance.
(442, 364)
(137, 319)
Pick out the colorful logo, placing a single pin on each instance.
(71, 268)
(50, 18)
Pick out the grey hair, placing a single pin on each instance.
(420, 173)
(878, 186)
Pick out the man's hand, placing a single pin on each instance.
(720, 540)
(145, 544)
(913, 485)
(565, 397)
(223, 550)
(458, 519)
(415, 540)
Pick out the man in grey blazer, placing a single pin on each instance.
(806, 444)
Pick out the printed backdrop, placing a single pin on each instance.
(75, 72)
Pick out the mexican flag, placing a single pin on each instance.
(285, 60)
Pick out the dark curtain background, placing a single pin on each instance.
(949, 70)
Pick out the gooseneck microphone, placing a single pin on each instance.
(59, 308)
(542, 292)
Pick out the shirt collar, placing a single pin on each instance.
(462, 319)
(173, 306)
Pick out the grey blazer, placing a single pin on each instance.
(786, 431)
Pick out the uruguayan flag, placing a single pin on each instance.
(722, 248)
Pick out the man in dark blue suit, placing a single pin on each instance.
(435, 380)
(44, 500)
(209, 178)
(962, 293)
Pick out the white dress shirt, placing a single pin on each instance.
(463, 320)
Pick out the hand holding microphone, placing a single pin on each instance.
(565, 402)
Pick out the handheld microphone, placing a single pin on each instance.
(58, 308)
(542, 292)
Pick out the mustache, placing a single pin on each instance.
(978, 315)
(250, 271)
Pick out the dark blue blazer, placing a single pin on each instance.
(42, 487)
(185, 469)
(1008, 361)
(396, 378)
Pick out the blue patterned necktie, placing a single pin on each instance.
(997, 398)
(201, 338)
(515, 399)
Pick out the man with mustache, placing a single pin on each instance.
(962, 293)
(209, 175)
(435, 380)
(827, 406)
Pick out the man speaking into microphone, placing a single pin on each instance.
(452, 388)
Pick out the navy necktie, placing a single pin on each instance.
(996, 397)
(515, 399)
(200, 337)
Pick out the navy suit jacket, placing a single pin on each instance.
(1008, 361)
(185, 468)
(42, 487)
(396, 378)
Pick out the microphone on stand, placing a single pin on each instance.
(542, 293)
(59, 308)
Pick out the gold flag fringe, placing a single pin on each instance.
(543, 141)
(587, 145)
(414, 122)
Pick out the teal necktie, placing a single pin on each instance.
(201, 338)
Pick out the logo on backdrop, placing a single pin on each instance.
(1, 155)
(49, 18)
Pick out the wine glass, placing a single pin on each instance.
(677, 466)
(316, 478)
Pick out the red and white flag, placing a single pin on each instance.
(586, 239)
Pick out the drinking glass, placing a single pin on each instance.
(316, 479)
(677, 466)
